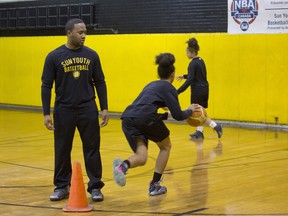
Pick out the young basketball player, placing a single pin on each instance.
(141, 122)
(197, 80)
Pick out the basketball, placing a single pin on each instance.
(198, 117)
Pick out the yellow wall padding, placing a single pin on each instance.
(248, 74)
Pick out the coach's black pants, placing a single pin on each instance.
(89, 130)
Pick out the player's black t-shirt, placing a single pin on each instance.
(75, 73)
(196, 78)
(155, 95)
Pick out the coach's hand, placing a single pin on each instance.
(48, 122)
(105, 118)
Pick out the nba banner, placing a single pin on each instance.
(257, 16)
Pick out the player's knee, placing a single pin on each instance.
(165, 146)
(168, 146)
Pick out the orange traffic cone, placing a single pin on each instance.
(77, 198)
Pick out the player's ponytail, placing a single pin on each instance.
(165, 62)
(193, 45)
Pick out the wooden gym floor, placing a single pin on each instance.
(246, 173)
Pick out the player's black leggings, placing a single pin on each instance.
(89, 130)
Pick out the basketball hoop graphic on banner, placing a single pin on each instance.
(244, 12)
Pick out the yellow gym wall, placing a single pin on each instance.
(248, 74)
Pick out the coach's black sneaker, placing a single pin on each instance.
(197, 135)
(218, 129)
(97, 195)
(60, 194)
(156, 189)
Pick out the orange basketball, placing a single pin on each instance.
(198, 117)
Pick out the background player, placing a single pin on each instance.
(197, 80)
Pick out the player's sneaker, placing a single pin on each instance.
(119, 175)
(156, 189)
(197, 135)
(218, 130)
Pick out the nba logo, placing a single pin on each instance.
(244, 12)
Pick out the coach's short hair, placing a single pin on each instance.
(70, 24)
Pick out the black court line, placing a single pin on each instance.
(25, 139)
(29, 206)
(216, 166)
(251, 155)
(26, 166)
(28, 186)
(108, 211)
(184, 169)
(192, 212)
